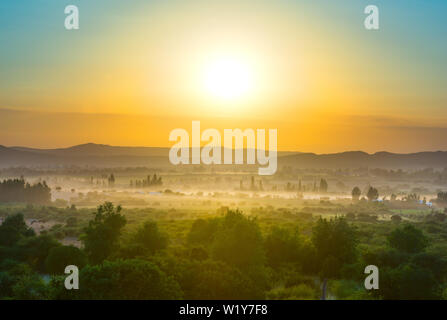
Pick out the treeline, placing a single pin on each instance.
(148, 182)
(225, 257)
(442, 197)
(18, 190)
(300, 187)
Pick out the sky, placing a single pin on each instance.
(135, 70)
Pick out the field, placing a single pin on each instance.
(182, 226)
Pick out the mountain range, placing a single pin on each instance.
(112, 156)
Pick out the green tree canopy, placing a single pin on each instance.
(335, 243)
(131, 279)
(34, 250)
(282, 246)
(407, 282)
(408, 239)
(210, 279)
(151, 238)
(101, 236)
(238, 241)
(60, 257)
(13, 229)
(203, 231)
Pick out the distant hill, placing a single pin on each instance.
(92, 149)
(112, 156)
(85, 154)
(357, 159)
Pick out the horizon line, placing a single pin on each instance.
(168, 147)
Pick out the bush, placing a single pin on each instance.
(348, 290)
(126, 279)
(60, 257)
(238, 241)
(408, 239)
(298, 292)
(212, 280)
(282, 246)
(202, 231)
(150, 238)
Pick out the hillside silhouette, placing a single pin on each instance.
(110, 156)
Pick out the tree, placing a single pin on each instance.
(62, 256)
(323, 185)
(408, 239)
(10, 273)
(433, 262)
(238, 241)
(126, 279)
(372, 194)
(30, 287)
(282, 246)
(202, 231)
(101, 236)
(407, 282)
(217, 281)
(335, 243)
(13, 229)
(17, 190)
(34, 250)
(72, 221)
(211, 279)
(111, 180)
(151, 238)
(442, 197)
(356, 193)
(417, 283)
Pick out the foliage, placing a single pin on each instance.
(226, 256)
(101, 236)
(60, 257)
(323, 185)
(34, 250)
(356, 193)
(17, 190)
(282, 246)
(298, 292)
(335, 243)
(213, 280)
(203, 231)
(408, 239)
(372, 194)
(151, 238)
(127, 279)
(13, 229)
(407, 282)
(442, 197)
(238, 241)
(30, 287)
(349, 290)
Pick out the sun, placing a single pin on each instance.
(228, 78)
